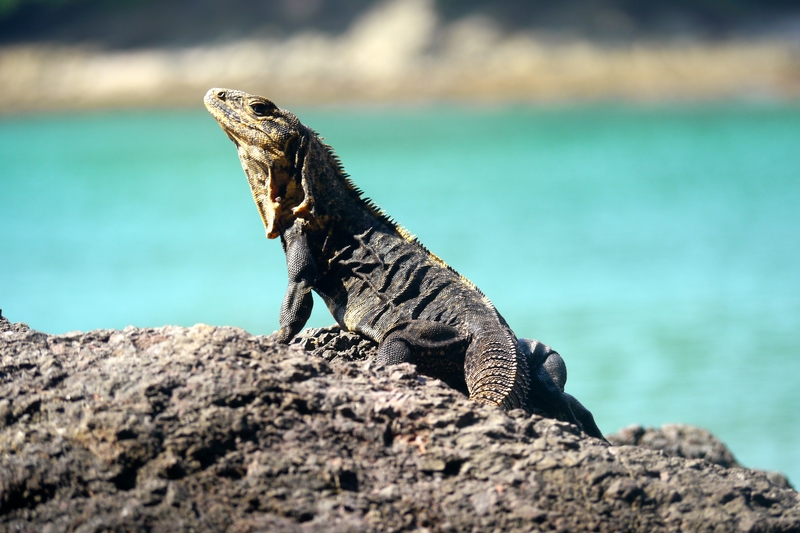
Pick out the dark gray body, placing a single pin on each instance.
(374, 277)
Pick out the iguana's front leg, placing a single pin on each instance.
(298, 300)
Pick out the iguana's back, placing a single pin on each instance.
(376, 280)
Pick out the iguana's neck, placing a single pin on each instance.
(337, 199)
(333, 195)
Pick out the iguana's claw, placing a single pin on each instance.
(282, 336)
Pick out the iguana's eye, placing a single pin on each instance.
(260, 109)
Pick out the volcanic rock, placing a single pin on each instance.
(207, 428)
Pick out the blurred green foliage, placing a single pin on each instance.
(130, 23)
(8, 7)
(502, 8)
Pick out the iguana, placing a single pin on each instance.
(375, 278)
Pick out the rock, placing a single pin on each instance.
(677, 440)
(212, 429)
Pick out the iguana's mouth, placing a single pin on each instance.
(225, 114)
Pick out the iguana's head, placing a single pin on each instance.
(270, 145)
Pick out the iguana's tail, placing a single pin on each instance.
(495, 370)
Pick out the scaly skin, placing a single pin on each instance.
(374, 277)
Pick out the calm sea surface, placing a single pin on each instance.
(657, 249)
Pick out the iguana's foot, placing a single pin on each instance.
(548, 370)
(585, 418)
(282, 336)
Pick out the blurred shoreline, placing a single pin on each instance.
(401, 52)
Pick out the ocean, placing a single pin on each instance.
(657, 248)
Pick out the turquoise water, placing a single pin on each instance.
(658, 249)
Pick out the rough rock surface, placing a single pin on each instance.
(677, 440)
(212, 429)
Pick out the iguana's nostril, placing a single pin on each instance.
(221, 94)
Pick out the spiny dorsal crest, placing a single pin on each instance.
(380, 214)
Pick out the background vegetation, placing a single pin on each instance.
(135, 23)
